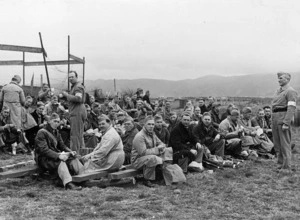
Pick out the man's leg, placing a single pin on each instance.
(63, 173)
(234, 147)
(148, 163)
(217, 148)
(276, 138)
(285, 148)
(75, 166)
(76, 139)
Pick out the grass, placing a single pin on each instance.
(254, 191)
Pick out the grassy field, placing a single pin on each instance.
(254, 191)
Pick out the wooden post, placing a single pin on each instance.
(68, 62)
(44, 57)
(41, 80)
(23, 68)
(83, 71)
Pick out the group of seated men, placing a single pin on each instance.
(140, 133)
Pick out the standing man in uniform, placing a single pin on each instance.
(77, 111)
(283, 107)
(12, 96)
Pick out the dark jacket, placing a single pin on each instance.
(181, 138)
(127, 139)
(163, 135)
(48, 145)
(205, 135)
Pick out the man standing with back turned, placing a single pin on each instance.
(77, 111)
(283, 107)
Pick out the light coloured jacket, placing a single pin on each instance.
(144, 144)
(12, 93)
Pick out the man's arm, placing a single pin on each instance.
(78, 97)
(140, 145)
(175, 141)
(22, 97)
(42, 146)
(291, 108)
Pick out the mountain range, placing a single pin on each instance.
(256, 85)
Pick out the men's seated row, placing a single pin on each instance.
(51, 154)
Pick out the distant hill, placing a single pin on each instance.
(258, 85)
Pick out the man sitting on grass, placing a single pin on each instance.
(51, 154)
(146, 153)
(108, 154)
(230, 129)
(207, 135)
(127, 138)
(161, 131)
(186, 152)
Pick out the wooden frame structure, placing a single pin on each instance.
(71, 59)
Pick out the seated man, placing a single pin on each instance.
(202, 105)
(173, 122)
(28, 104)
(161, 132)
(196, 117)
(214, 112)
(129, 106)
(260, 121)
(54, 107)
(52, 155)
(90, 124)
(146, 152)
(185, 148)
(127, 138)
(166, 112)
(40, 121)
(253, 137)
(9, 135)
(268, 118)
(206, 134)
(108, 154)
(229, 128)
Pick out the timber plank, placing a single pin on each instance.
(19, 172)
(123, 174)
(17, 165)
(88, 176)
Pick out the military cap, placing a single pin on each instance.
(287, 75)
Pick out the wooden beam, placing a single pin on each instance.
(11, 62)
(88, 176)
(57, 62)
(19, 172)
(123, 174)
(20, 48)
(76, 58)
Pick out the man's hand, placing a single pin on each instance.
(86, 157)
(73, 153)
(285, 127)
(198, 146)
(193, 152)
(217, 138)
(161, 148)
(65, 94)
(63, 156)
(252, 133)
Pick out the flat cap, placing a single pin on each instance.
(287, 75)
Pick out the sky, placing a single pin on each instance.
(163, 39)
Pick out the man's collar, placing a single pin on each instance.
(283, 88)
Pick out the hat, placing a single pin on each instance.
(103, 117)
(246, 110)
(17, 78)
(128, 118)
(234, 113)
(287, 75)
